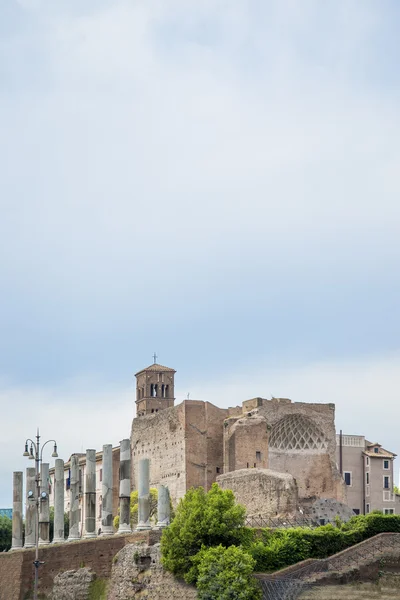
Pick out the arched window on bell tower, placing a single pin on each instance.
(155, 389)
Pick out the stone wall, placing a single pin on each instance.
(184, 445)
(301, 441)
(161, 438)
(17, 572)
(262, 491)
(245, 443)
(137, 573)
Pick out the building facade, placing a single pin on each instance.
(82, 478)
(189, 445)
(368, 472)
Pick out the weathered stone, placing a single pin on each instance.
(73, 585)
(90, 494)
(327, 510)
(144, 495)
(107, 492)
(44, 511)
(125, 487)
(74, 500)
(30, 508)
(262, 491)
(17, 510)
(163, 507)
(137, 573)
(59, 502)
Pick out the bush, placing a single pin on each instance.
(5, 533)
(226, 574)
(280, 552)
(280, 548)
(134, 507)
(202, 519)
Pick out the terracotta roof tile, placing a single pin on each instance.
(157, 367)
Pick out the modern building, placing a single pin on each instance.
(367, 470)
(99, 478)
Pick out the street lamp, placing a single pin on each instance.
(36, 453)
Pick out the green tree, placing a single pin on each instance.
(134, 507)
(5, 533)
(202, 519)
(396, 489)
(226, 574)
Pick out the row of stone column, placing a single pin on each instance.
(89, 499)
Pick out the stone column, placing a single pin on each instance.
(107, 492)
(144, 494)
(59, 502)
(125, 487)
(163, 507)
(74, 499)
(17, 510)
(44, 512)
(90, 494)
(30, 508)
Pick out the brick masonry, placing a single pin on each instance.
(17, 571)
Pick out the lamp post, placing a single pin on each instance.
(36, 453)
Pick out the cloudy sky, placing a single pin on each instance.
(214, 180)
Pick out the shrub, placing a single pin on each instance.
(134, 507)
(226, 574)
(202, 519)
(5, 533)
(279, 552)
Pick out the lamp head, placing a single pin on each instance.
(31, 457)
(26, 453)
(55, 455)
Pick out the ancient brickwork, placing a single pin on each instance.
(302, 442)
(184, 445)
(245, 443)
(161, 438)
(17, 573)
(203, 443)
(262, 491)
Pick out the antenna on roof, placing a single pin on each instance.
(155, 357)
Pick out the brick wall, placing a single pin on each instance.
(17, 572)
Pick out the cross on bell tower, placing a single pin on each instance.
(155, 389)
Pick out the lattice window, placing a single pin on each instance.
(296, 432)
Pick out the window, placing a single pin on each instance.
(367, 461)
(367, 508)
(101, 474)
(386, 482)
(218, 469)
(255, 464)
(388, 511)
(376, 450)
(347, 477)
(367, 477)
(356, 511)
(386, 464)
(367, 487)
(258, 456)
(247, 465)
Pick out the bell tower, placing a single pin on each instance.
(155, 389)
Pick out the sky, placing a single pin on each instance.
(216, 181)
